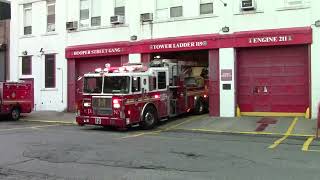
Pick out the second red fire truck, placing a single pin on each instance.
(137, 95)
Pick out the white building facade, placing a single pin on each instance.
(241, 41)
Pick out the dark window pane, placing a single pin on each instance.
(96, 21)
(119, 11)
(26, 65)
(27, 30)
(136, 84)
(152, 83)
(206, 8)
(162, 80)
(51, 22)
(176, 11)
(84, 14)
(50, 71)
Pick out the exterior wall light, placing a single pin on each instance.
(133, 38)
(24, 53)
(317, 23)
(225, 29)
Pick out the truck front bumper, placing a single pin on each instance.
(101, 121)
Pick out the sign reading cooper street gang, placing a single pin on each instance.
(97, 51)
(180, 45)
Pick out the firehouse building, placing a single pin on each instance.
(270, 73)
(262, 60)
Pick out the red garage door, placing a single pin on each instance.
(273, 79)
(84, 66)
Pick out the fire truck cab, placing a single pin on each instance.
(137, 95)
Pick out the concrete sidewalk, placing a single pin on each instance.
(251, 125)
(277, 126)
(50, 117)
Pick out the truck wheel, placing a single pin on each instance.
(200, 108)
(150, 118)
(15, 114)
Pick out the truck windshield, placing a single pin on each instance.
(116, 84)
(92, 85)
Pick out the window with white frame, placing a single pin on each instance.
(27, 19)
(169, 8)
(84, 13)
(119, 8)
(90, 13)
(51, 15)
(96, 12)
(206, 7)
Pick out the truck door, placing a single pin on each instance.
(162, 85)
(137, 98)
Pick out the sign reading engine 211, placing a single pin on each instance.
(271, 39)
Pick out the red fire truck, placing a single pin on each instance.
(135, 95)
(15, 98)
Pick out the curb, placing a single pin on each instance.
(49, 121)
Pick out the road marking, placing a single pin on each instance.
(139, 134)
(161, 130)
(287, 134)
(306, 144)
(318, 151)
(32, 127)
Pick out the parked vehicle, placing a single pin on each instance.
(15, 98)
(137, 95)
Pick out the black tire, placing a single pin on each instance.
(149, 118)
(200, 107)
(15, 114)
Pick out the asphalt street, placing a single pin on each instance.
(32, 151)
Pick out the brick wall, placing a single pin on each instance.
(4, 49)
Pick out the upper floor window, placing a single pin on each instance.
(96, 12)
(206, 7)
(84, 13)
(51, 15)
(119, 8)
(27, 21)
(169, 8)
(26, 65)
(90, 13)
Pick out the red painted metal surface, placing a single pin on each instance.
(72, 79)
(318, 122)
(31, 82)
(78, 68)
(15, 95)
(271, 37)
(319, 116)
(214, 83)
(273, 79)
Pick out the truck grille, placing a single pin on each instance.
(102, 106)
